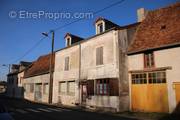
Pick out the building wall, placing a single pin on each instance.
(86, 51)
(163, 58)
(170, 57)
(89, 70)
(19, 90)
(12, 85)
(60, 75)
(109, 69)
(41, 79)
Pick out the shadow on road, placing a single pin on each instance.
(175, 115)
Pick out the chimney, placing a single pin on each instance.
(141, 14)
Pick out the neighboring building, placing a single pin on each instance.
(12, 81)
(15, 79)
(3, 86)
(36, 79)
(154, 62)
(93, 72)
(66, 72)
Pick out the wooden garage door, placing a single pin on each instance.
(177, 90)
(149, 92)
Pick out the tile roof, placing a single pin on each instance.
(160, 28)
(39, 67)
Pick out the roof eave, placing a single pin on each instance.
(155, 48)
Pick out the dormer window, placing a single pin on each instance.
(103, 24)
(100, 28)
(71, 39)
(68, 42)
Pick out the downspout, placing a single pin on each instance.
(118, 66)
(79, 77)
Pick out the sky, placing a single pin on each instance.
(20, 30)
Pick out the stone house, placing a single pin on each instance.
(36, 80)
(15, 80)
(92, 72)
(154, 62)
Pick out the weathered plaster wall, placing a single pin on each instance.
(36, 79)
(19, 90)
(170, 57)
(71, 75)
(89, 70)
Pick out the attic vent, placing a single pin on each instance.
(163, 27)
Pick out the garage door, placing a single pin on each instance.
(177, 91)
(149, 92)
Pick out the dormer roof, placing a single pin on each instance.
(107, 22)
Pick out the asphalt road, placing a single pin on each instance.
(25, 110)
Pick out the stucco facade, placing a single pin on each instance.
(60, 75)
(37, 83)
(83, 68)
(109, 69)
(14, 86)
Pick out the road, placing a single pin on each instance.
(25, 110)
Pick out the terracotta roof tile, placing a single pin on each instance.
(160, 28)
(40, 66)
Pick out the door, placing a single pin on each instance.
(84, 93)
(149, 92)
(177, 91)
(38, 92)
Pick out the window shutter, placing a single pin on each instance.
(113, 85)
(66, 63)
(99, 56)
(90, 87)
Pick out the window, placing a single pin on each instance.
(157, 77)
(31, 87)
(16, 79)
(100, 28)
(149, 77)
(102, 87)
(90, 87)
(24, 85)
(99, 56)
(62, 87)
(27, 88)
(71, 87)
(46, 88)
(20, 81)
(139, 78)
(148, 60)
(68, 42)
(66, 67)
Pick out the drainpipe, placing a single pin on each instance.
(79, 77)
(118, 66)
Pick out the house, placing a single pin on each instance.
(15, 79)
(66, 72)
(3, 86)
(154, 62)
(36, 79)
(92, 72)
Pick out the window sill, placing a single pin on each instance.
(71, 94)
(98, 66)
(151, 69)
